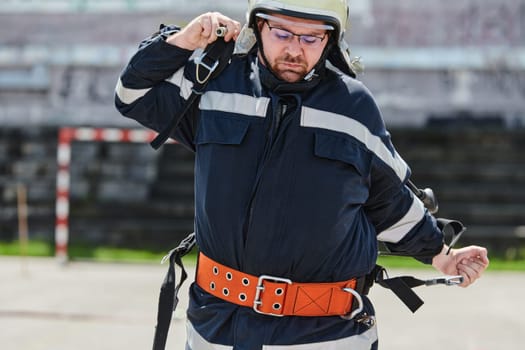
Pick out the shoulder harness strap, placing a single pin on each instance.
(215, 57)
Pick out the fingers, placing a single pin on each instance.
(211, 21)
(471, 269)
(233, 30)
(470, 262)
(483, 256)
(202, 31)
(206, 27)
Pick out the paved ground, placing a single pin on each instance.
(99, 306)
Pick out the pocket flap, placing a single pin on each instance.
(225, 131)
(344, 150)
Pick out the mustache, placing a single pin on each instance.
(291, 59)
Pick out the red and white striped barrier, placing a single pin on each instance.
(65, 137)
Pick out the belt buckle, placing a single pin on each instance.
(260, 287)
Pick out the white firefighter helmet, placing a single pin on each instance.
(332, 12)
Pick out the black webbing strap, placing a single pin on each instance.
(168, 298)
(209, 64)
(401, 286)
(166, 132)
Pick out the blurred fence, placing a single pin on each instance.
(120, 194)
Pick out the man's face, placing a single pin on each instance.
(292, 46)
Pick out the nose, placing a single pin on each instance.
(294, 47)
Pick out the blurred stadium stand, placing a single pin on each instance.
(448, 75)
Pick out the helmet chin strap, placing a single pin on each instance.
(319, 66)
(257, 33)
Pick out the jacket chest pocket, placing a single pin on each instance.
(218, 148)
(221, 130)
(345, 152)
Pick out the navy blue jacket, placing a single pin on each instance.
(291, 180)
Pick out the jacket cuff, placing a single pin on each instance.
(427, 256)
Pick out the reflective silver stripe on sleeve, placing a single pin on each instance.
(316, 118)
(197, 342)
(396, 232)
(184, 84)
(234, 103)
(361, 341)
(128, 95)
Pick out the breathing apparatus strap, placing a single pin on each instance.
(168, 298)
(215, 57)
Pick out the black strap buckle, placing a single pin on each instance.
(200, 63)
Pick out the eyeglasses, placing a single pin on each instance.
(285, 36)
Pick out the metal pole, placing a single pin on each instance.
(23, 236)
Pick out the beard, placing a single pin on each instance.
(290, 69)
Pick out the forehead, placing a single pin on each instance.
(295, 21)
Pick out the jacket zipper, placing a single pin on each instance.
(271, 136)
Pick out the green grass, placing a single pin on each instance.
(86, 252)
(33, 248)
(112, 254)
(496, 263)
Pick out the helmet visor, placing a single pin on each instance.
(284, 21)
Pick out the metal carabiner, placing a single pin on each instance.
(446, 280)
(360, 304)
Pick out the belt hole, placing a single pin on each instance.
(245, 282)
(215, 270)
(212, 285)
(229, 276)
(279, 291)
(242, 297)
(226, 292)
(276, 306)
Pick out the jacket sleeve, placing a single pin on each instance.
(400, 218)
(154, 86)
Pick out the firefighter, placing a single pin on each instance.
(296, 179)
